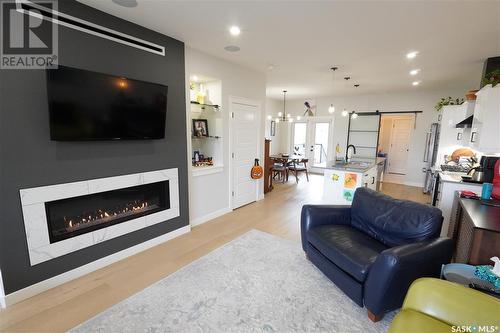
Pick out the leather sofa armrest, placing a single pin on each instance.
(314, 215)
(396, 268)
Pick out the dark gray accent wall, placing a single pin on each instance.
(28, 158)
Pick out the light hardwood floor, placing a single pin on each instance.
(66, 306)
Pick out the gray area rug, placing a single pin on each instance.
(256, 283)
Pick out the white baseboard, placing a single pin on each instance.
(211, 216)
(57, 280)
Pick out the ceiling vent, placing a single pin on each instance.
(30, 8)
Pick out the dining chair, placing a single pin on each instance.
(298, 166)
(280, 169)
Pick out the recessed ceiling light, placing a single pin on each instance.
(269, 117)
(126, 3)
(415, 83)
(194, 78)
(411, 55)
(234, 30)
(414, 71)
(232, 48)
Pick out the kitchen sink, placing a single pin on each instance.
(354, 164)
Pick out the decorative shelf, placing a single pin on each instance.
(215, 107)
(205, 137)
(206, 170)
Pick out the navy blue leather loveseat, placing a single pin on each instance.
(374, 249)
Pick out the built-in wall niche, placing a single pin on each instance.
(206, 121)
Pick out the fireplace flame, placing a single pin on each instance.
(76, 222)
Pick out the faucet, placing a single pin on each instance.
(347, 158)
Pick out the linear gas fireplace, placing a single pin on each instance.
(64, 218)
(74, 216)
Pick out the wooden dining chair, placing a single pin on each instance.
(280, 169)
(298, 166)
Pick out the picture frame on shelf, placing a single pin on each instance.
(200, 128)
(273, 128)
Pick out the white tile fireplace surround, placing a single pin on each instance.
(35, 217)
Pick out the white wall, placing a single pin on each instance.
(278, 144)
(412, 101)
(210, 195)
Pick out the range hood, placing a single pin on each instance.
(466, 123)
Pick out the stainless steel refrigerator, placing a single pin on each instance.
(430, 156)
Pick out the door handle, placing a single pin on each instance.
(373, 180)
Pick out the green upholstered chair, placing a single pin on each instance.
(433, 305)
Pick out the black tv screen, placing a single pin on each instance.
(85, 105)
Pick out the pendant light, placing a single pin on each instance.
(331, 108)
(283, 116)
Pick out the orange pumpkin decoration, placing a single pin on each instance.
(257, 170)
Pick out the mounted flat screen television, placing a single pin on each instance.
(85, 105)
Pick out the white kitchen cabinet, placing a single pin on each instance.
(448, 185)
(370, 178)
(485, 131)
(451, 137)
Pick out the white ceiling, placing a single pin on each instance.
(368, 40)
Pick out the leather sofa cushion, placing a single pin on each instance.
(394, 222)
(351, 250)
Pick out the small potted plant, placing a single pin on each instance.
(448, 101)
(492, 78)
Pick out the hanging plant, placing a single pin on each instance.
(448, 101)
(492, 78)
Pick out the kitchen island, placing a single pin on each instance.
(342, 179)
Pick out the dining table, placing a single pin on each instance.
(287, 158)
(284, 159)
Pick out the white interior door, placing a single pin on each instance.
(400, 144)
(245, 142)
